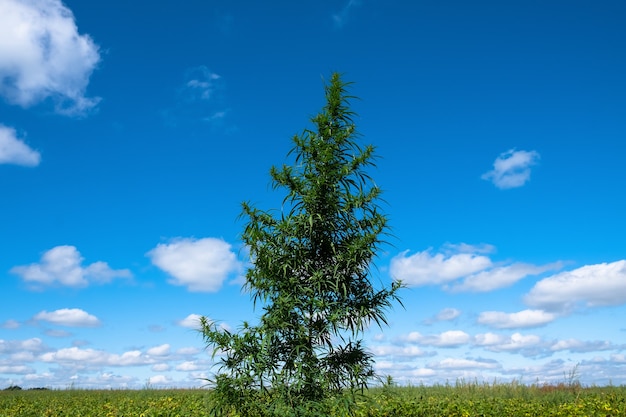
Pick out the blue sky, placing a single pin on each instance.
(130, 134)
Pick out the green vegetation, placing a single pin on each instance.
(311, 274)
(460, 400)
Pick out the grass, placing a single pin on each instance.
(458, 400)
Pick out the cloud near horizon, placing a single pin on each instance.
(511, 169)
(43, 56)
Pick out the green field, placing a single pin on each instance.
(476, 400)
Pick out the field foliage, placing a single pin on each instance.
(459, 400)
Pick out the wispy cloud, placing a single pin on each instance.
(511, 169)
(13, 150)
(62, 265)
(341, 18)
(199, 99)
(43, 56)
(198, 264)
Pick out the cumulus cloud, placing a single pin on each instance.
(42, 55)
(14, 150)
(522, 319)
(162, 350)
(62, 265)
(467, 263)
(511, 169)
(589, 286)
(76, 357)
(192, 321)
(199, 265)
(71, 317)
(424, 268)
(187, 366)
(526, 345)
(503, 276)
(34, 345)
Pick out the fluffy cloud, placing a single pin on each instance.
(42, 56)
(502, 276)
(457, 262)
(526, 318)
(526, 345)
(62, 265)
(511, 169)
(162, 350)
(71, 317)
(424, 268)
(192, 321)
(200, 265)
(13, 150)
(77, 357)
(188, 366)
(589, 286)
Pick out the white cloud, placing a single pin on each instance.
(527, 345)
(460, 363)
(71, 317)
(160, 367)
(14, 150)
(200, 265)
(590, 286)
(17, 346)
(187, 366)
(42, 56)
(447, 314)
(522, 319)
(159, 380)
(423, 268)
(77, 357)
(399, 351)
(575, 345)
(62, 265)
(451, 338)
(161, 350)
(511, 169)
(192, 321)
(455, 262)
(503, 276)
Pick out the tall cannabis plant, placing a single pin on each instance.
(310, 271)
